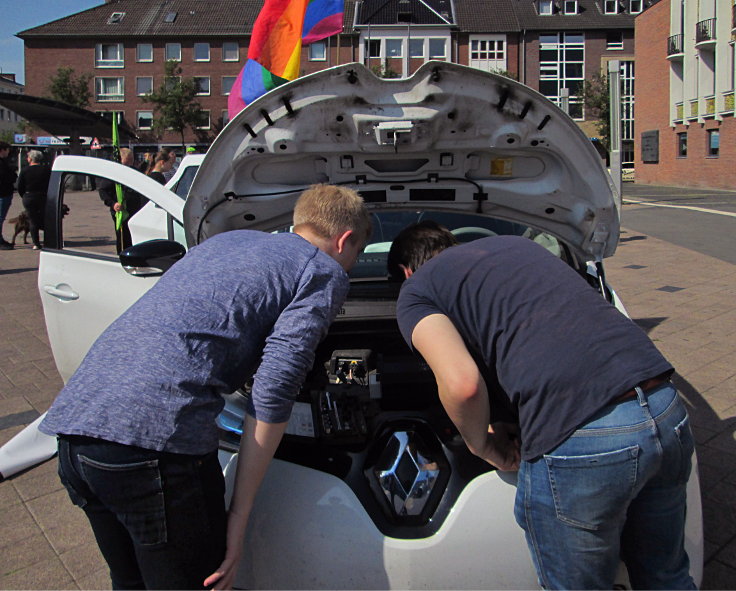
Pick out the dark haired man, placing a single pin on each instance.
(605, 445)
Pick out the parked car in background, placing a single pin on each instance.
(372, 487)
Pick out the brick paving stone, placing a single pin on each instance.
(83, 560)
(26, 551)
(16, 524)
(64, 525)
(38, 482)
(47, 574)
(718, 576)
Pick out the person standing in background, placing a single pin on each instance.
(7, 182)
(132, 202)
(162, 164)
(33, 183)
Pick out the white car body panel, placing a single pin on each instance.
(81, 296)
(82, 293)
(337, 546)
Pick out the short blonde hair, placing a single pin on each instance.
(330, 210)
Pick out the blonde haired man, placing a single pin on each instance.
(136, 425)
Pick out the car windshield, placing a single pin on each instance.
(371, 263)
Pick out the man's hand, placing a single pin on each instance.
(502, 448)
(117, 206)
(224, 576)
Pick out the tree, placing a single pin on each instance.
(596, 97)
(174, 103)
(70, 89)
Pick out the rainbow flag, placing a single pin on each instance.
(280, 30)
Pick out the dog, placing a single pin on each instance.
(23, 223)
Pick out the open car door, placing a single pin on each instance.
(82, 283)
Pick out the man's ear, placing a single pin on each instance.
(342, 239)
(407, 271)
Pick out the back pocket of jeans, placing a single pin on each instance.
(134, 493)
(592, 490)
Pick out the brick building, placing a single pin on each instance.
(685, 97)
(123, 44)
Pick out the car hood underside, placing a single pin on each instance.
(449, 138)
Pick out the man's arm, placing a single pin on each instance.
(463, 391)
(257, 447)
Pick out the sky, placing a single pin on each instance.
(16, 16)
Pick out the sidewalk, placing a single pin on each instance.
(682, 298)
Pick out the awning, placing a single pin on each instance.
(61, 119)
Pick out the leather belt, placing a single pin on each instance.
(645, 386)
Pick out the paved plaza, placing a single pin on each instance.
(683, 299)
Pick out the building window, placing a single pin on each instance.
(144, 119)
(488, 49)
(143, 85)
(144, 52)
(714, 139)
(437, 48)
(227, 84)
(571, 6)
(318, 51)
(682, 145)
(173, 52)
(394, 48)
(561, 65)
(225, 117)
(230, 51)
(109, 90)
(610, 6)
(627, 100)
(203, 120)
(203, 85)
(373, 48)
(488, 53)
(201, 52)
(545, 7)
(416, 48)
(109, 55)
(635, 6)
(614, 40)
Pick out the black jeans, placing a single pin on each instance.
(159, 518)
(34, 204)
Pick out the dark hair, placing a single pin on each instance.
(415, 245)
(4, 146)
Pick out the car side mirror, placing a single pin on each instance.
(151, 258)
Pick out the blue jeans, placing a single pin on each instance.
(615, 489)
(159, 518)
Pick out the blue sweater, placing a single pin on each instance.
(240, 304)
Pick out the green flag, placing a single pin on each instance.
(122, 215)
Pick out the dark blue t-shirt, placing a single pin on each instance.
(548, 340)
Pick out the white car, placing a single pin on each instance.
(372, 487)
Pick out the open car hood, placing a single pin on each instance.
(448, 138)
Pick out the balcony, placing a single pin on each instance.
(675, 47)
(705, 33)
